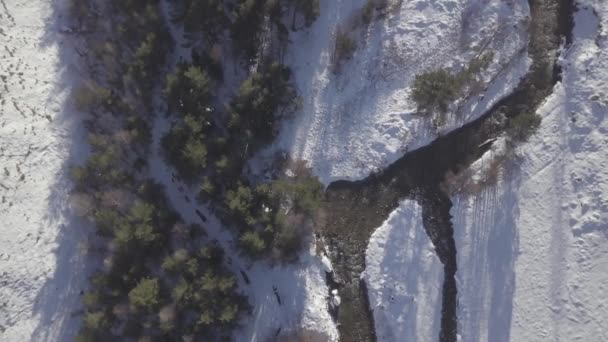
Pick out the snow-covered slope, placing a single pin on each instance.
(40, 266)
(405, 277)
(533, 250)
(362, 119)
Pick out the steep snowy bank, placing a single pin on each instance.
(404, 276)
(41, 269)
(362, 119)
(533, 250)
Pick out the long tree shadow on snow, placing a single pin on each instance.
(411, 283)
(487, 254)
(58, 302)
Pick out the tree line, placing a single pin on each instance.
(160, 278)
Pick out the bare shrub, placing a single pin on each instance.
(123, 137)
(91, 95)
(395, 5)
(344, 48)
(454, 182)
(367, 12)
(121, 310)
(299, 168)
(469, 182)
(167, 314)
(216, 53)
(118, 198)
(82, 204)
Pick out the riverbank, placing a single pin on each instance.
(534, 244)
(358, 208)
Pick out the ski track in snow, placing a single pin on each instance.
(41, 269)
(533, 250)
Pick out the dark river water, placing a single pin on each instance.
(357, 208)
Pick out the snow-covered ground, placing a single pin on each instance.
(41, 269)
(533, 249)
(405, 278)
(362, 119)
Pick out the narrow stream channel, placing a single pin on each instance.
(356, 209)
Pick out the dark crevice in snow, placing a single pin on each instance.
(436, 218)
(566, 19)
(358, 208)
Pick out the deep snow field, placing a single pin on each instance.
(532, 250)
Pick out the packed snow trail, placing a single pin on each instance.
(41, 266)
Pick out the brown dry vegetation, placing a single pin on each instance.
(303, 336)
(465, 182)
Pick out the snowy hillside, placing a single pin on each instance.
(40, 265)
(533, 250)
(362, 119)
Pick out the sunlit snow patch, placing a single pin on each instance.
(404, 278)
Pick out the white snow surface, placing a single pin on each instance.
(362, 119)
(404, 277)
(533, 255)
(41, 268)
(533, 250)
